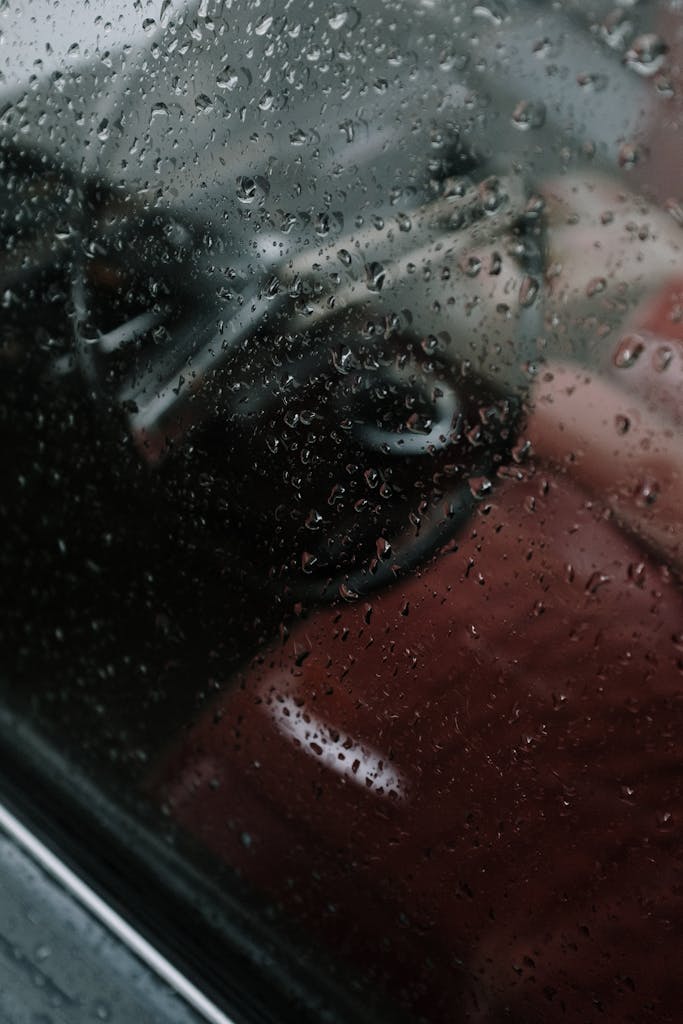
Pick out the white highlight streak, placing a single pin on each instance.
(361, 764)
(113, 921)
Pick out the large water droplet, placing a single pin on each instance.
(342, 17)
(491, 194)
(595, 286)
(627, 351)
(646, 54)
(246, 189)
(528, 291)
(494, 11)
(630, 153)
(227, 78)
(263, 24)
(471, 266)
(480, 486)
(374, 276)
(528, 114)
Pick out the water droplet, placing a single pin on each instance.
(491, 194)
(615, 29)
(528, 291)
(636, 573)
(313, 520)
(343, 359)
(661, 358)
(665, 821)
(595, 581)
(629, 154)
(227, 78)
(646, 54)
(480, 486)
(628, 351)
(247, 189)
(595, 286)
(663, 86)
(308, 562)
(340, 17)
(452, 60)
(348, 129)
(383, 548)
(494, 11)
(203, 102)
(593, 81)
(528, 114)
(647, 492)
(471, 266)
(263, 24)
(374, 276)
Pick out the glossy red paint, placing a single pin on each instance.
(471, 786)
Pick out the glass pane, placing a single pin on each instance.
(341, 351)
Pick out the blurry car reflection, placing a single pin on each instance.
(389, 361)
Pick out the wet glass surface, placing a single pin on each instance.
(341, 359)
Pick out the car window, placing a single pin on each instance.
(341, 356)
